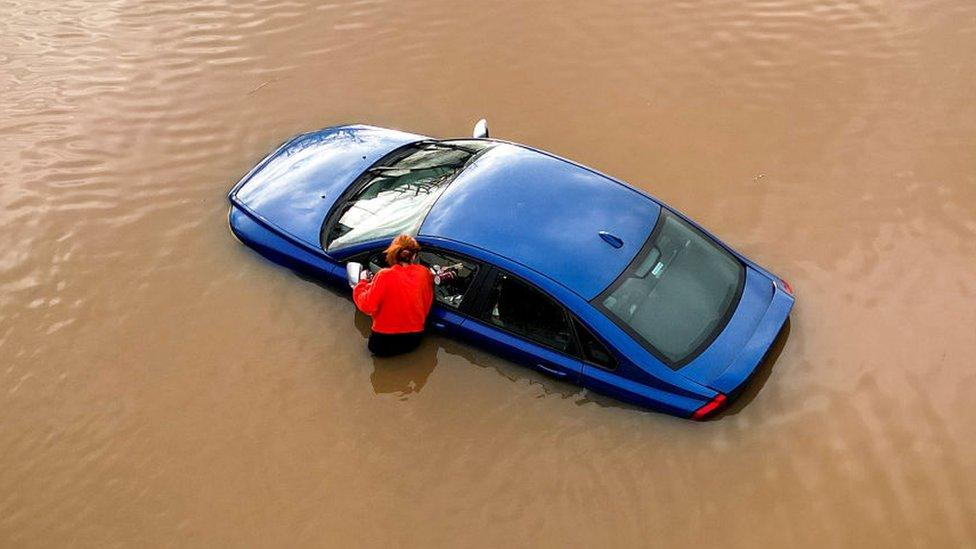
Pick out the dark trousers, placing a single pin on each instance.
(393, 344)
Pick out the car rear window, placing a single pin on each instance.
(677, 294)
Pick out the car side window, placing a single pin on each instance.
(452, 276)
(593, 349)
(523, 310)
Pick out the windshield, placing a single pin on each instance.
(678, 292)
(397, 195)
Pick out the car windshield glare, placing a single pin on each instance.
(678, 292)
(396, 196)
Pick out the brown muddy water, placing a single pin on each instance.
(162, 385)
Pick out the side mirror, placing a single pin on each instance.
(480, 129)
(353, 270)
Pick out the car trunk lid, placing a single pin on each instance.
(733, 356)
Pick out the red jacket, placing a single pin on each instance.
(398, 298)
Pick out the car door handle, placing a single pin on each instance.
(553, 371)
(439, 325)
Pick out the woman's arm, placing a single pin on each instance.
(368, 293)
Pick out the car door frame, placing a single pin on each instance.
(564, 365)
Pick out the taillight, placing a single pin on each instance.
(710, 408)
(786, 286)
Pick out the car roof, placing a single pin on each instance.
(545, 213)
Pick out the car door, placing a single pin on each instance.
(519, 321)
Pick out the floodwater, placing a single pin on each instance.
(163, 385)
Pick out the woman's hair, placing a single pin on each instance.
(402, 250)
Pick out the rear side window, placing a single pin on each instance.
(593, 351)
(519, 308)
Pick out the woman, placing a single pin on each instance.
(398, 298)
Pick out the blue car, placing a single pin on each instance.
(537, 258)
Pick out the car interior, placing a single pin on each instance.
(521, 309)
(452, 275)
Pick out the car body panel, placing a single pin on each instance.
(545, 213)
(641, 394)
(294, 188)
(445, 321)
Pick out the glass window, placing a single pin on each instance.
(452, 276)
(594, 351)
(396, 197)
(518, 308)
(677, 293)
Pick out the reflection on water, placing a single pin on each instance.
(160, 384)
(399, 375)
(406, 374)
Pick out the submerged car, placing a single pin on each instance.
(539, 259)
